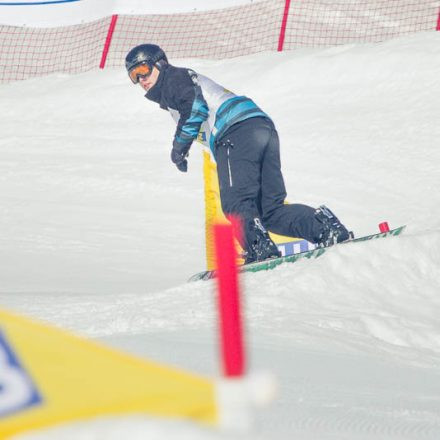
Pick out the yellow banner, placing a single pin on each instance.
(48, 376)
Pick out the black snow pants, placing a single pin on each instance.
(252, 185)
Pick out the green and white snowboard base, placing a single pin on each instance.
(315, 253)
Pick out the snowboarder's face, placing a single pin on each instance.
(148, 82)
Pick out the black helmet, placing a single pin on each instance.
(149, 54)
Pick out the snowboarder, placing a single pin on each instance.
(245, 145)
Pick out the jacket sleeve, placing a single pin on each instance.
(193, 111)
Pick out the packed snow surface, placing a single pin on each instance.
(99, 233)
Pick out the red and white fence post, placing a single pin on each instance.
(283, 26)
(108, 41)
(438, 20)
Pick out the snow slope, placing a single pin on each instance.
(99, 233)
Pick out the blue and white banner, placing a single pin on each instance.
(55, 13)
(17, 390)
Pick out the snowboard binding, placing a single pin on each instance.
(333, 231)
(259, 244)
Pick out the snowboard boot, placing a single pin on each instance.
(259, 244)
(333, 231)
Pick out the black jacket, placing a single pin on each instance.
(195, 99)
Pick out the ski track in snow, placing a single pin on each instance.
(99, 233)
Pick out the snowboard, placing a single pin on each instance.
(315, 253)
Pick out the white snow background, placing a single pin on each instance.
(99, 233)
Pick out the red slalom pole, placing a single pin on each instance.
(231, 334)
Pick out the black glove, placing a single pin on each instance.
(178, 157)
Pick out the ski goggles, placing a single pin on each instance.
(141, 70)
